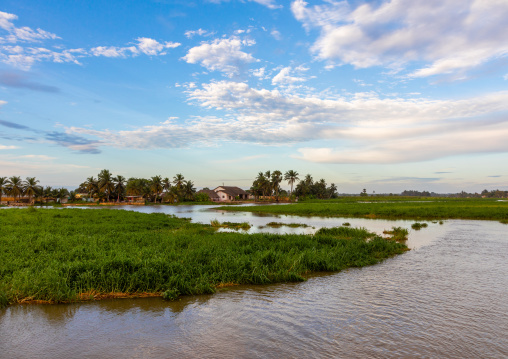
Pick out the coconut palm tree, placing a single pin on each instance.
(106, 184)
(276, 180)
(15, 187)
(47, 193)
(61, 193)
(119, 182)
(156, 186)
(3, 187)
(189, 190)
(291, 176)
(166, 184)
(92, 186)
(332, 191)
(31, 187)
(178, 180)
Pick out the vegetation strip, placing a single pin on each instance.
(71, 255)
(442, 208)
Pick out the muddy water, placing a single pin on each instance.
(446, 298)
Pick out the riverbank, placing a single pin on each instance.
(64, 256)
(428, 209)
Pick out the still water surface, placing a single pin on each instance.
(446, 298)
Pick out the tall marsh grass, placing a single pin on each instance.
(60, 255)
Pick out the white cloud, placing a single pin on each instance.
(259, 72)
(153, 47)
(145, 46)
(200, 32)
(113, 51)
(24, 57)
(223, 55)
(357, 129)
(284, 77)
(3, 147)
(276, 34)
(449, 35)
(271, 4)
(21, 34)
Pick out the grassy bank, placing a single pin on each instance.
(440, 208)
(73, 254)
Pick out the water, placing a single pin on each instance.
(446, 298)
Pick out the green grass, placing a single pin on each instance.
(432, 208)
(233, 225)
(63, 255)
(290, 225)
(398, 234)
(417, 226)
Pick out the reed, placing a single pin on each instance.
(62, 255)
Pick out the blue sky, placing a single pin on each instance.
(382, 95)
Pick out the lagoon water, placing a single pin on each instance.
(446, 298)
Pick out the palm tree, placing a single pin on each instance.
(92, 186)
(332, 190)
(106, 184)
(3, 187)
(15, 186)
(47, 193)
(61, 193)
(166, 184)
(31, 187)
(189, 190)
(119, 182)
(156, 186)
(178, 180)
(291, 176)
(276, 180)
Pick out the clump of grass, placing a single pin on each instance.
(291, 225)
(346, 233)
(65, 255)
(441, 222)
(504, 221)
(346, 224)
(233, 225)
(398, 234)
(417, 226)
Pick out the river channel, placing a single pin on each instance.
(446, 298)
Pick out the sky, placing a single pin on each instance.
(382, 95)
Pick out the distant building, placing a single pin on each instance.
(211, 194)
(226, 193)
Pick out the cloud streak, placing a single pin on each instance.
(363, 128)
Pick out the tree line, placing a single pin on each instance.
(16, 187)
(267, 184)
(106, 188)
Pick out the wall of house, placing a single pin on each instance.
(223, 196)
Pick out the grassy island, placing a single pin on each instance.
(63, 255)
(387, 207)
